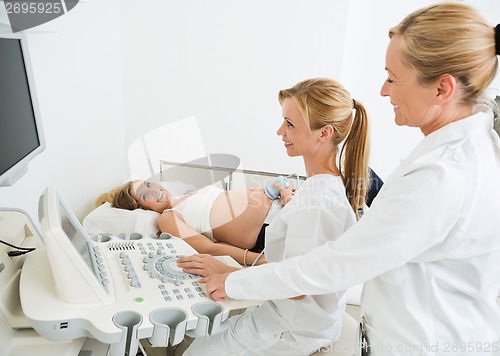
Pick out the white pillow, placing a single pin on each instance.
(109, 220)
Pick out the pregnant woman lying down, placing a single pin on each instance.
(206, 216)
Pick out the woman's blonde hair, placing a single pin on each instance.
(119, 197)
(450, 38)
(323, 101)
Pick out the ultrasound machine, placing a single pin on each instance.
(117, 290)
(61, 288)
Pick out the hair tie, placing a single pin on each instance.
(354, 104)
(497, 39)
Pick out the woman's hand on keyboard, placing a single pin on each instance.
(216, 286)
(203, 265)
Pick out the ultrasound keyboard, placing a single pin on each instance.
(152, 297)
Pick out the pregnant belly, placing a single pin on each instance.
(238, 215)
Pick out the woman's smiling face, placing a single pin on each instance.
(413, 101)
(298, 138)
(151, 196)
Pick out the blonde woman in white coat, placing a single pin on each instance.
(428, 249)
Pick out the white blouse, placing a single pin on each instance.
(319, 212)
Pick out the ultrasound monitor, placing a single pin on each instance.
(80, 275)
(21, 135)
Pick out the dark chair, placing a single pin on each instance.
(376, 184)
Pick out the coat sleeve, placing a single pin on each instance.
(412, 213)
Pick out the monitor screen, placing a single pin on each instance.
(79, 272)
(20, 129)
(77, 237)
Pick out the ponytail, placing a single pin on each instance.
(354, 153)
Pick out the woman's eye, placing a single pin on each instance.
(390, 81)
(144, 196)
(289, 124)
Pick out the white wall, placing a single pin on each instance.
(224, 62)
(76, 64)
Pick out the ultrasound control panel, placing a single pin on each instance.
(147, 295)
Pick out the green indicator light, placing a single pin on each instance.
(139, 300)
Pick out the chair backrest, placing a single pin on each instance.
(375, 186)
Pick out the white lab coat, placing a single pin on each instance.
(428, 250)
(319, 212)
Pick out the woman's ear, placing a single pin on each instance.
(447, 86)
(327, 132)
